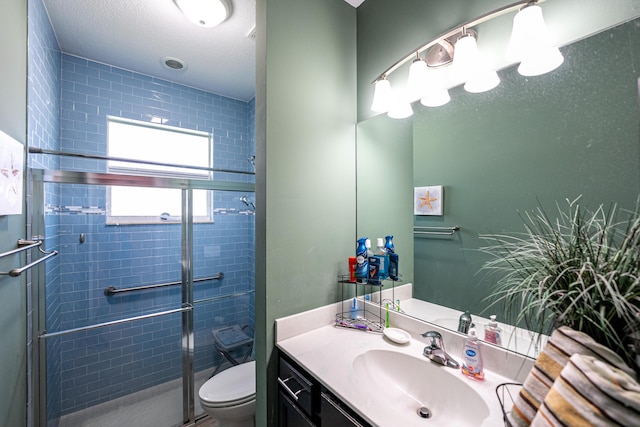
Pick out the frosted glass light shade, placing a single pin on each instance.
(400, 107)
(437, 93)
(546, 61)
(381, 96)
(482, 82)
(418, 82)
(531, 44)
(436, 98)
(465, 58)
(204, 13)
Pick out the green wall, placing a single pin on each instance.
(571, 132)
(13, 311)
(305, 135)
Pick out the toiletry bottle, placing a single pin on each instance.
(382, 254)
(362, 261)
(464, 323)
(492, 332)
(392, 269)
(367, 244)
(353, 311)
(352, 269)
(472, 356)
(374, 271)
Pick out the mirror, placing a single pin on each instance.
(529, 142)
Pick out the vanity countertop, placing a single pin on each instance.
(328, 353)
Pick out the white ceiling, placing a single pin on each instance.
(137, 34)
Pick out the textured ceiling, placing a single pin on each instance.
(137, 34)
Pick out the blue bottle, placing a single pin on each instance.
(392, 269)
(383, 257)
(362, 262)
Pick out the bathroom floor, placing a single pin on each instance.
(159, 406)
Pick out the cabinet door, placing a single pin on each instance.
(333, 414)
(289, 415)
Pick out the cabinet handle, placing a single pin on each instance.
(293, 394)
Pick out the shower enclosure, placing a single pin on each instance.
(123, 315)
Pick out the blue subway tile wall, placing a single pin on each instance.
(129, 357)
(43, 124)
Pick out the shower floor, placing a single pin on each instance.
(158, 406)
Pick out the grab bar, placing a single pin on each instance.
(438, 231)
(24, 245)
(112, 290)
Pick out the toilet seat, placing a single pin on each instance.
(234, 386)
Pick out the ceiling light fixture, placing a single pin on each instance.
(530, 45)
(205, 13)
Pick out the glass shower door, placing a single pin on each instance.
(113, 323)
(225, 308)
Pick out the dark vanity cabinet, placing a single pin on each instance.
(303, 402)
(298, 396)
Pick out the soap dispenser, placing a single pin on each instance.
(492, 332)
(472, 365)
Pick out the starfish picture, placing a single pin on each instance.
(426, 201)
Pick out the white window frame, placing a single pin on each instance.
(154, 147)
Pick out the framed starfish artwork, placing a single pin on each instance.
(11, 175)
(428, 200)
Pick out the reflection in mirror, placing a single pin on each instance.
(529, 142)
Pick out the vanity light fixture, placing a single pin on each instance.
(530, 45)
(205, 13)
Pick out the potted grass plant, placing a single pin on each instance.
(579, 268)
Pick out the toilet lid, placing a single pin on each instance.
(233, 384)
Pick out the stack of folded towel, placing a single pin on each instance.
(563, 343)
(590, 392)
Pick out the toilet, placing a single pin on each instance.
(230, 396)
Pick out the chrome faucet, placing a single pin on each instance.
(435, 351)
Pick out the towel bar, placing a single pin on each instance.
(24, 245)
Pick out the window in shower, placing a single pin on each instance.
(157, 150)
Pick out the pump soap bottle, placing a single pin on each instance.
(492, 332)
(472, 357)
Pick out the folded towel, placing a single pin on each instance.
(590, 392)
(563, 343)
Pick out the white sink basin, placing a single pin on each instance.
(405, 383)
